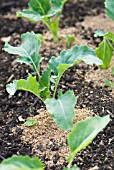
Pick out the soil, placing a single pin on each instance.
(45, 140)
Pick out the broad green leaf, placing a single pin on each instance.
(109, 5)
(44, 83)
(30, 15)
(40, 6)
(30, 123)
(72, 56)
(62, 109)
(21, 163)
(84, 132)
(72, 168)
(30, 85)
(28, 50)
(105, 52)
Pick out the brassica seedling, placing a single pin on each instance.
(48, 11)
(105, 49)
(80, 136)
(70, 40)
(109, 5)
(30, 123)
(61, 108)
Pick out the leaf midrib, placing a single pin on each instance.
(29, 57)
(62, 108)
(41, 7)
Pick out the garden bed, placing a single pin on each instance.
(46, 140)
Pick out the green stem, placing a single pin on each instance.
(56, 86)
(53, 27)
(38, 73)
(69, 164)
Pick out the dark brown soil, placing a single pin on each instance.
(76, 20)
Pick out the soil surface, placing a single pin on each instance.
(45, 140)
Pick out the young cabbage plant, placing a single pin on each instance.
(48, 11)
(62, 107)
(80, 136)
(69, 40)
(105, 49)
(109, 6)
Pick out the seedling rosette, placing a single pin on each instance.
(105, 49)
(48, 11)
(61, 106)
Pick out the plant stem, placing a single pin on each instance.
(70, 163)
(53, 27)
(38, 73)
(56, 86)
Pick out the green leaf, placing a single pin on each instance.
(72, 56)
(84, 132)
(40, 6)
(21, 163)
(72, 168)
(109, 5)
(70, 40)
(58, 3)
(30, 85)
(112, 71)
(28, 50)
(99, 33)
(40, 37)
(30, 123)
(109, 35)
(105, 49)
(105, 52)
(44, 84)
(30, 15)
(62, 109)
(107, 82)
